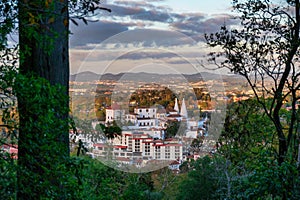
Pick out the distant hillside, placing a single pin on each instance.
(142, 76)
(84, 76)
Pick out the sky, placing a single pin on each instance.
(159, 36)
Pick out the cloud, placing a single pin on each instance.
(152, 38)
(192, 24)
(144, 4)
(137, 38)
(139, 11)
(147, 55)
(118, 10)
(198, 24)
(140, 17)
(153, 15)
(96, 32)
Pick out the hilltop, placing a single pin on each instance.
(88, 76)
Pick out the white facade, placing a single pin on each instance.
(143, 139)
(131, 118)
(114, 115)
(146, 117)
(161, 150)
(145, 112)
(138, 145)
(146, 122)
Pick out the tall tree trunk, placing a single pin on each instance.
(46, 53)
(43, 38)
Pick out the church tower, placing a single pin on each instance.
(183, 111)
(176, 108)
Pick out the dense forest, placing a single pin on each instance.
(257, 153)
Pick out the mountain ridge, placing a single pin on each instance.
(87, 76)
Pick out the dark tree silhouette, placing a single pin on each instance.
(265, 51)
(43, 42)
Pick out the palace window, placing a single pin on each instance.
(167, 151)
(137, 146)
(157, 152)
(177, 152)
(147, 149)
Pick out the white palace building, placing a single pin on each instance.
(143, 138)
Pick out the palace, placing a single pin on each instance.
(143, 137)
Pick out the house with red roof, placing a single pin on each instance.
(12, 149)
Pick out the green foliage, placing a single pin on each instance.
(196, 144)
(175, 128)
(265, 51)
(160, 96)
(166, 183)
(205, 181)
(101, 114)
(247, 131)
(7, 175)
(83, 178)
(100, 182)
(248, 145)
(43, 130)
(245, 165)
(110, 131)
(264, 178)
(44, 169)
(48, 173)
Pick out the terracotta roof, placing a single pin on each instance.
(122, 159)
(144, 118)
(174, 115)
(170, 139)
(174, 162)
(138, 138)
(120, 146)
(114, 106)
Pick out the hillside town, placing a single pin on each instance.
(144, 136)
(144, 139)
(150, 110)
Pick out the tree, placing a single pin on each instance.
(247, 132)
(247, 144)
(205, 181)
(103, 182)
(265, 51)
(43, 41)
(196, 144)
(110, 131)
(175, 128)
(41, 86)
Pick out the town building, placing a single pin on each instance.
(114, 113)
(134, 145)
(143, 136)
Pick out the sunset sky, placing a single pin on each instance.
(163, 36)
